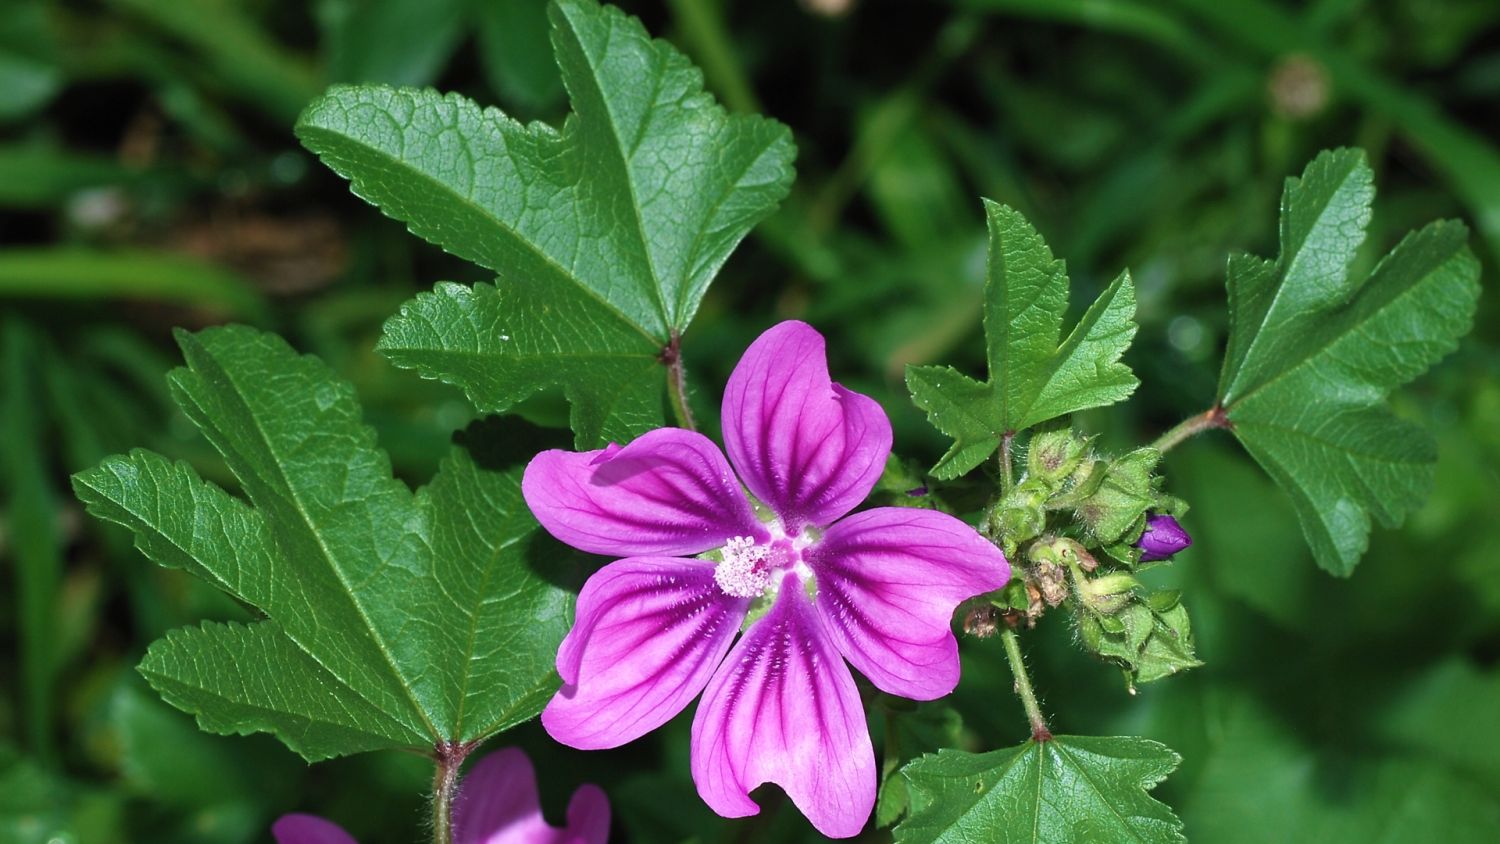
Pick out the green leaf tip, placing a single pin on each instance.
(392, 618)
(605, 234)
(1035, 374)
(1068, 788)
(1314, 351)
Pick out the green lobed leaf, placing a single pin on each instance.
(1034, 374)
(609, 230)
(393, 619)
(1313, 352)
(1070, 788)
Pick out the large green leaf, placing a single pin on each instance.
(393, 619)
(1070, 788)
(1313, 352)
(1033, 377)
(611, 228)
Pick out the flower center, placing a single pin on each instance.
(743, 572)
(748, 568)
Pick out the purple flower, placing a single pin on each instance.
(1162, 538)
(877, 588)
(497, 803)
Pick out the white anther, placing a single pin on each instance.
(743, 572)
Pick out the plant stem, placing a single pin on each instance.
(1039, 731)
(1214, 417)
(450, 757)
(677, 382)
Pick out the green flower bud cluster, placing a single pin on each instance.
(1072, 522)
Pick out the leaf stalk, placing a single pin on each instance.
(671, 356)
(450, 758)
(1214, 417)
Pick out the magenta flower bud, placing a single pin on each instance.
(1162, 538)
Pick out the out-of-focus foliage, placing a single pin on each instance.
(149, 179)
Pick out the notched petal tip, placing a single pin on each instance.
(783, 709)
(808, 447)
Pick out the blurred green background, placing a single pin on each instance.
(149, 179)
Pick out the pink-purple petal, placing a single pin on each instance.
(649, 633)
(588, 816)
(784, 709)
(669, 492)
(309, 829)
(807, 447)
(498, 804)
(889, 580)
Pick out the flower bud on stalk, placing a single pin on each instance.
(1109, 594)
(1162, 538)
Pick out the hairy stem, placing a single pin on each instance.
(1214, 417)
(449, 757)
(1039, 731)
(671, 356)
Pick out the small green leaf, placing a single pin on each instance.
(1313, 353)
(1070, 788)
(1032, 377)
(613, 226)
(393, 619)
